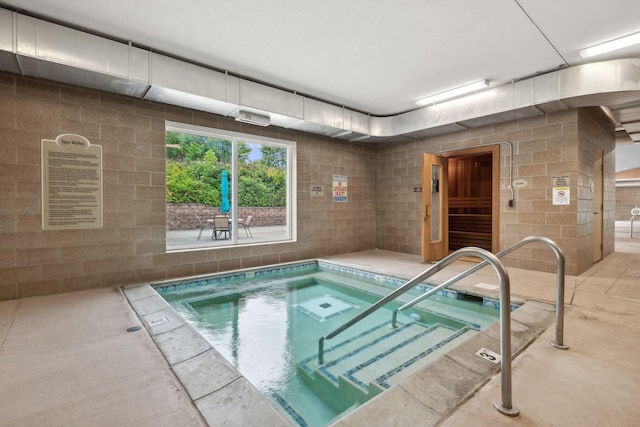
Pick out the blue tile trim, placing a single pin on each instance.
(308, 267)
(226, 277)
(494, 303)
(394, 282)
(304, 364)
(289, 410)
(325, 368)
(350, 373)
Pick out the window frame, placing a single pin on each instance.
(235, 138)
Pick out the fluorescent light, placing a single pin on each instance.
(609, 46)
(471, 87)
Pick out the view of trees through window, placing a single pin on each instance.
(195, 164)
(246, 178)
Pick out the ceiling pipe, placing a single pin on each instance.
(41, 49)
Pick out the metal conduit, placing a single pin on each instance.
(559, 280)
(505, 406)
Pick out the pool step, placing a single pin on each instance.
(361, 367)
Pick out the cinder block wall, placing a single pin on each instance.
(383, 210)
(595, 132)
(543, 146)
(131, 246)
(627, 197)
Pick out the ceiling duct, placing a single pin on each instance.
(253, 118)
(41, 49)
(187, 85)
(8, 60)
(53, 52)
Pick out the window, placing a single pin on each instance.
(248, 179)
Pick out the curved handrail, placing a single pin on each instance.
(559, 280)
(506, 407)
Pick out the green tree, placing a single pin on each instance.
(274, 157)
(243, 153)
(195, 164)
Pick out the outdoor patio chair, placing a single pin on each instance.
(221, 227)
(203, 226)
(246, 224)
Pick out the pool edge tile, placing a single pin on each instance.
(205, 373)
(240, 404)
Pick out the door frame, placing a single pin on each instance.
(598, 201)
(494, 150)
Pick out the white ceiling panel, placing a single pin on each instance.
(372, 56)
(375, 57)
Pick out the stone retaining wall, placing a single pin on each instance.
(182, 216)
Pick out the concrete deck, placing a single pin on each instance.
(68, 359)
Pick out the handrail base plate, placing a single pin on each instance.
(512, 412)
(560, 346)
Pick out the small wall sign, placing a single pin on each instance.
(317, 191)
(560, 180)
(340, 188)
(561, 190)
(520, 183)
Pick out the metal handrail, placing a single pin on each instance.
(559, 280)
(506, 407)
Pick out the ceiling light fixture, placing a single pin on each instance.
(462, 90)
(612, 45)
(253, 118)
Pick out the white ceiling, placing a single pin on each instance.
(372, 56)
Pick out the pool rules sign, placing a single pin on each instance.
(71, 183)
(339, 188)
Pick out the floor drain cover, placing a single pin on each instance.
(325, 307)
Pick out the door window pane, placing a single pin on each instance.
(435, 203)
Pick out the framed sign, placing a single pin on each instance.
(71, 183)
(340, 188)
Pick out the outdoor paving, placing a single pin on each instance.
(186, 239)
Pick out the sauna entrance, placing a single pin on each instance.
(463, 200)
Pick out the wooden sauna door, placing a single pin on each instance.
(435, 241)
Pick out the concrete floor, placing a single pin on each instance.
(68, 360)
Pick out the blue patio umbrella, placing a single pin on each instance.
(224, 183)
